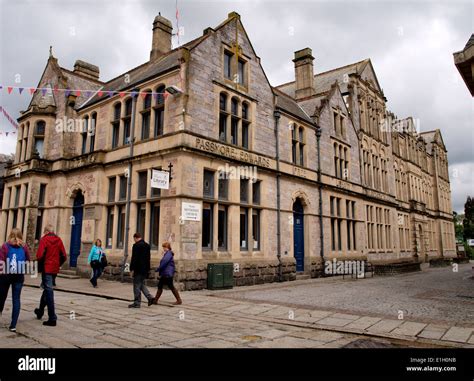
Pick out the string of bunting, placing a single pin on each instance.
(10, 119)
(79, 92)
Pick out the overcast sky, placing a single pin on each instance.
(410, 43)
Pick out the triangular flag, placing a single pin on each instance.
(9, 89)
(78, 93)
(20, 89)
(43, 91)
(56, 90)
(134, 94)
(6, 133)
(110, 93)
(1, 87)
(100, 93)
(32, 90)
(88, 94)
(122, 94)
(165, 95)
(67, 92)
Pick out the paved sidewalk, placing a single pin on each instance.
(215, 307)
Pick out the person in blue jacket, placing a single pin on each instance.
(166, 271)
(95, 261)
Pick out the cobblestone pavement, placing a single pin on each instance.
(434, 295)
(299, 314)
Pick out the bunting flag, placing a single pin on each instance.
(86, 92)
(8, 117)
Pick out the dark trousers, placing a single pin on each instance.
(47, 298)
(16, 294)
(139, 287)
(166, 281)
(96, 273)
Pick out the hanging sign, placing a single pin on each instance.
(191, 211)
(160, 179)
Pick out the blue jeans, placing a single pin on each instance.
(16, 294)
(47, 298)
(96, 273)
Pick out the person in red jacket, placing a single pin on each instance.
(50, 255)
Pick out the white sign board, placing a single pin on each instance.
(191, 211)
(160, 179)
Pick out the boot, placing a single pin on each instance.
(176, 295)
(158, 294)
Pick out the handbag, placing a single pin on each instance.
(103, 261)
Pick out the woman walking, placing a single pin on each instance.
(166, 271)
(95, 260)
(13, 255)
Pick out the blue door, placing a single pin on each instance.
(76, 229)
(298, 234)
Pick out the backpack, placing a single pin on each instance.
(15, 256)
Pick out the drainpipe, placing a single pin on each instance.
(321, 229)
(276, 115)
(129, 185)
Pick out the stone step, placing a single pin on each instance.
(67, 276)
(302, 277)
(68, 272)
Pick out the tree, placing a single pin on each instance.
(468, 221)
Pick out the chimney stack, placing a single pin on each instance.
(304, 76)
(86, 70)
(161, 42)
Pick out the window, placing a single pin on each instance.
(256, 192)
(234, 125)
(17, 197)
(141, 215)
(42, 194)
(39, 224)
(388, 229)
(297, 145)
(256, 229)
(146, 116)
(350, 225)
(110, 227)
(244, 190)
(223, 117)
(155, 225)
(245, 125)
(241, 72)
(85, 128)
(207, 213)
(116, 125)
(222, 227)
(244, 229)
(208, 184)
(370, 227)
(142, 184)
(123, 188)
(92, 130)
(121, 227)
(159, 112)
(223, 186)
(127, 121)
(39, 138)
(112, 182)
(228, 65)
(341, 161)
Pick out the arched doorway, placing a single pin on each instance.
(298, 234)
(76, 228)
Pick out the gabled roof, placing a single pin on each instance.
(285, 103)
(431, 137)
(323, 81)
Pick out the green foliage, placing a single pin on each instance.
(468, 221)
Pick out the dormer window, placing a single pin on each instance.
(228, 64)
(234, 69)
(39, 137)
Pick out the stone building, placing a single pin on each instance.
(312, 170)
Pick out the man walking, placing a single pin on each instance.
(140, 268)
(50, 255)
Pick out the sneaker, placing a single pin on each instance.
(151, 301)
(39, 313)
(50, 323)
(12, 329)
(133, 305)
